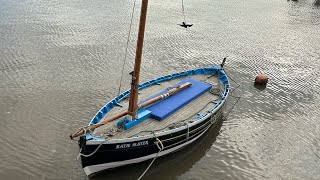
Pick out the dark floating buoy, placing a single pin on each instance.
(261, 81)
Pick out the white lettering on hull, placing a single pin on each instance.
(136, 144)
(121, 146)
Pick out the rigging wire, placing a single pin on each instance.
(128, 39)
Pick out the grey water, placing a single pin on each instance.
(60, 61)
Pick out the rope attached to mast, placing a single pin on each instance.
(128, 39)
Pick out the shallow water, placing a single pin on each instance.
(60, 61)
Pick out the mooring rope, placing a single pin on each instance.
(231, 93)
(128, 39)
(84, 155)
(160, 149)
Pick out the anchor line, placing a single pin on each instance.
(231, 93)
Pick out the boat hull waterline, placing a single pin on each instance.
(110, 153)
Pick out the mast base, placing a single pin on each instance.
(126, 123)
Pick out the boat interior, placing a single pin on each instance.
(187, 111)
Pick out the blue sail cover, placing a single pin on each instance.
(166, 107)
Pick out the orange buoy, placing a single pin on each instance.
(261, 79)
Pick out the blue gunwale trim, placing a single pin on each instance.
(215, 70)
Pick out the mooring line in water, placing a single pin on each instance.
(84, 155)
(160, 149)
(231, 93)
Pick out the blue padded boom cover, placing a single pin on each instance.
(166, 107)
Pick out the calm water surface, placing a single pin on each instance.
(60, 61)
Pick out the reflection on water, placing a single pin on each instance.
(60, 62)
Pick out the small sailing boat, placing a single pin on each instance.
(131, 129)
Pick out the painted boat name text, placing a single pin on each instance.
(141, 143)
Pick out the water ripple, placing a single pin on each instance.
(61, 61)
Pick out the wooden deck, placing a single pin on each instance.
(189, 112)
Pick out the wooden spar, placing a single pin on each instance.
(123, 113)
(133, 107)
(92, 127)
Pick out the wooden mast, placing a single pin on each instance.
(133, 108)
